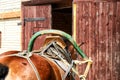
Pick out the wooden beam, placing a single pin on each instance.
(39, 2)
(74, 20)
(45, 1)
(24, 0)
(57, 4)
(9, 15)
(63, 4)
(97, 0)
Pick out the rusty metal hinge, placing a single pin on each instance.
(34, 19)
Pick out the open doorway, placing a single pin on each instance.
(62, 17)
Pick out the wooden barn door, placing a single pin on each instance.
(98, 26)
(35, 18)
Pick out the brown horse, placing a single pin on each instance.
(17, 68)
(43, 64)
(15, 65)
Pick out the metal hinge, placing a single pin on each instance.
(33, 19)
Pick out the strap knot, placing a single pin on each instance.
(25, 53)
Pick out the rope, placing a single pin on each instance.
(26, 56)
(55, 52)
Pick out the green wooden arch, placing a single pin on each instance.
(57, 32)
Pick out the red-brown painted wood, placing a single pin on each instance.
(29, 28)
(97, 0)
(98, 26)
(42, 1)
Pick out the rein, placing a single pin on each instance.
(26, 56)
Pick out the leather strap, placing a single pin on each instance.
(26, 56)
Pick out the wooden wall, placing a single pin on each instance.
(98, 25)
(30, 27)
(10, 35)
(9, 28)
(9, 5)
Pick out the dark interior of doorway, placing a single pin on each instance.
(62, 19)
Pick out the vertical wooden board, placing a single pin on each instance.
(116, 44)
(40, 40)
(102, 40)
(118, 40)
(83, 30)
(92, 41)
(109, 56)
(29, 13)
(79, 29)
(41, 11)
(108, 42)
(97, 26)
(96, 58)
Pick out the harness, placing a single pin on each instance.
(76, 47)
(57, 53)
(26, 56)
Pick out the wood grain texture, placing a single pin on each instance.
(29, 28)
(98, 26)
(9, 15)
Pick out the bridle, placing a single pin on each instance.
(26, 56)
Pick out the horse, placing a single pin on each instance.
(51, 62)
(17, 68)
(14, 66)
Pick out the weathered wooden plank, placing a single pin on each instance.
(31, 27)
(102, 41)
(91, 39)
(56, 4)
(116, 44)
(108, 43)
(118, 40)
(79, 28)
(46, 1)
(42, 1)
(97, 0)
(63, 4)
(97, 25)
(96, 58)
(8, 15)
